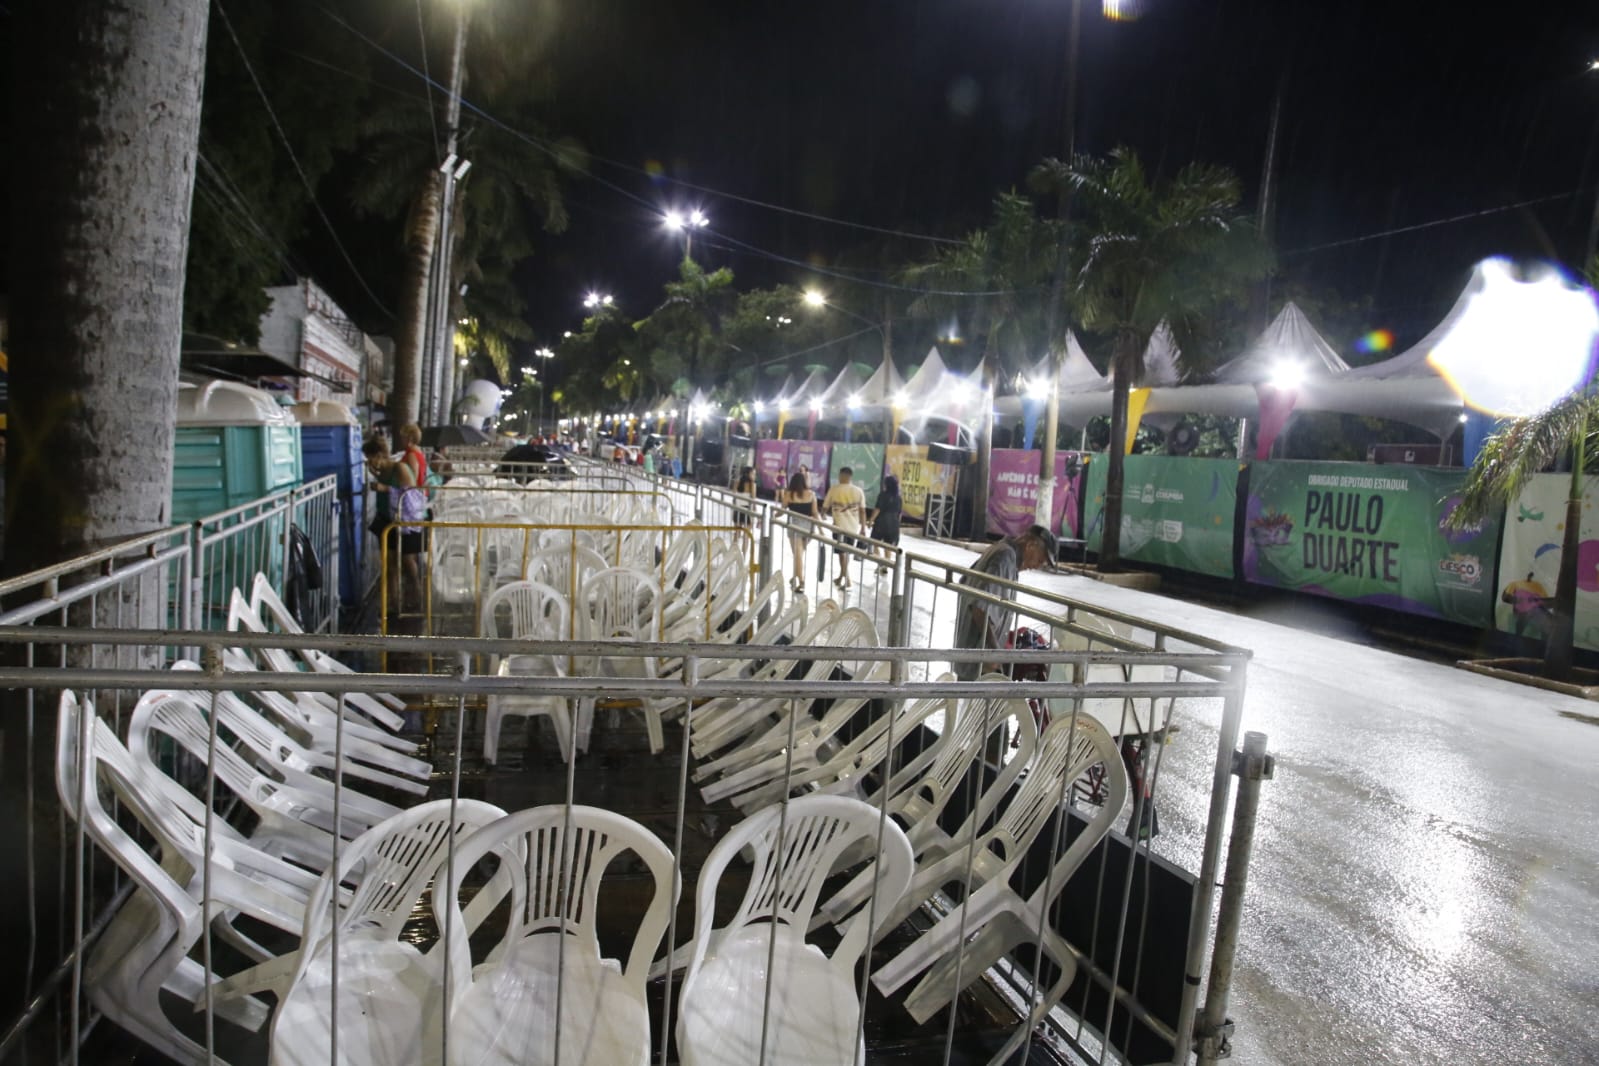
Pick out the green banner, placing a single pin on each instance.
(1176, 511)
(1371, 535)
(866, 460)
(1529, 561)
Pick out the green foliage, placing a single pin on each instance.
(250, 208)
(1147, 250)
(1008, 264)
(1525, 446)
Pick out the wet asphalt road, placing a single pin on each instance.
(1425, 884)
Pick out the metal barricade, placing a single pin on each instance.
(1102, 883)
(1135, 916)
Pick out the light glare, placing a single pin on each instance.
(1519, 346)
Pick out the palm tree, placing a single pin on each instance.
(100, 218)
(685, 330)
(512, 189)
(1507, 462)
(1148, 251)
(1005, 269)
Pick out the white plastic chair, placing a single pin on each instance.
(244, 617)
(812, 1012)
(289, 821)
(390, 994)
(536, 612)
(995, 918)
(452, 564)
(564, 568)
(621, 604)
(761, 727)
(144, 950)
(549, 960)
(920, 791)
(267, 604)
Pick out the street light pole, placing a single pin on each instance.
(438, 345)
(1044, 512)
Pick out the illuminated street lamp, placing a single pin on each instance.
(686, 224)
(595, 301)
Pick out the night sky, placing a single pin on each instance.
(912, 114)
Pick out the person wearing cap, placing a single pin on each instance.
(982, 623)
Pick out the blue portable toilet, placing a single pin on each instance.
(330, 440)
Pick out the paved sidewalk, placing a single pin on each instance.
(1425, 886)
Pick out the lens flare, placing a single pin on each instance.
(1517, 344)
(1378, 340)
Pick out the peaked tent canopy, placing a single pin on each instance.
(1162, 359)
(845, 387)
(1290, 338)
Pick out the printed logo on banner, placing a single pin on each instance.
(1465, 570)
(1274, 529)
(1171, 531)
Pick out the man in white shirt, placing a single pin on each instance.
(845, 507)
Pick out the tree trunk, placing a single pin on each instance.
(107, 102)
(422, 233)
(1563, 626)
(1125, 365)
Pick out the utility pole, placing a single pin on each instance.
(1054, 336)
(439, 362)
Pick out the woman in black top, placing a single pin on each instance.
(885, 517)
(799, 498)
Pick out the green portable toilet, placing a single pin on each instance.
(234, 444)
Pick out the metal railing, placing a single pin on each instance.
(1140, 679)
(1110, 893)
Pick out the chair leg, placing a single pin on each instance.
(491, 733)
(652, 722)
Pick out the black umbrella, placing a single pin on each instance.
(451, 436)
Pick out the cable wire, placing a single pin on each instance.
(298, 169)
(1466, 217)
(427, 78)
(630, 168)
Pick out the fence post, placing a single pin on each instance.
(899, 602)
(330, 572)
(288, 539)
(197, 578)
(1252, 766)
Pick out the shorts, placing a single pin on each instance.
(848, 540)
(411, 543)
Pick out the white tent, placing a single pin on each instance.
(882, 388)
(924, 386)
(844, 388)
(1290, 340)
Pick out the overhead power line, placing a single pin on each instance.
(298, 169)
(1466, 217)
(632, 169)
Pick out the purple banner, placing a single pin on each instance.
(814, 455)
(771, 463)
(1013, 493)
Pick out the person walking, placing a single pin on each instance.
(981, 623)
(744, 486)
(886, 514)
(407, 505)
(801, 501)
(845, 507)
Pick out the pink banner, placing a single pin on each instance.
(1013, 493)
(771, 463)
(814, 454)
(1275, 406)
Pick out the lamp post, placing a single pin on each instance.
(686, 224)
